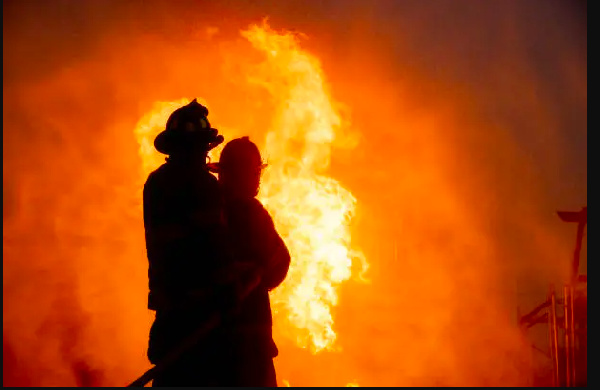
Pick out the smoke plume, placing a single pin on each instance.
(471, 124)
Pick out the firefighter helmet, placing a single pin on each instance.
(187, 126)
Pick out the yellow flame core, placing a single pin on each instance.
(311, 211)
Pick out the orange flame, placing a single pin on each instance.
(148, 128)
(311, 211)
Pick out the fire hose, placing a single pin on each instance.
(193, 339)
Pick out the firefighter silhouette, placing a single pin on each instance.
(256, 247)
(184, 224)
(200, 262)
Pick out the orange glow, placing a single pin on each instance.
(432, 157)
(311, 211)
(148, 128)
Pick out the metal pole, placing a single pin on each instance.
(567, 338)
(581, 218)
(554, 344)
(577, 252)
(574, 279)
(551, 340)
(572, 328)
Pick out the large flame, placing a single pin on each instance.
(311, 210)
(468, 148)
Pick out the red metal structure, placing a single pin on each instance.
(566, 317)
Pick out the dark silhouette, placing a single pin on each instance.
(184, 224)
(213, 256)
(258, 248)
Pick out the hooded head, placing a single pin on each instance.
(239, 168)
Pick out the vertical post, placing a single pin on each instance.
(551, 338)
(554, 336)
(577, 253)
(580, 217)
(572, 328)
(567, 337)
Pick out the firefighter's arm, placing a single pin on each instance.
(271, 273)
(223, 292)
(276, 256)
(278, 265)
